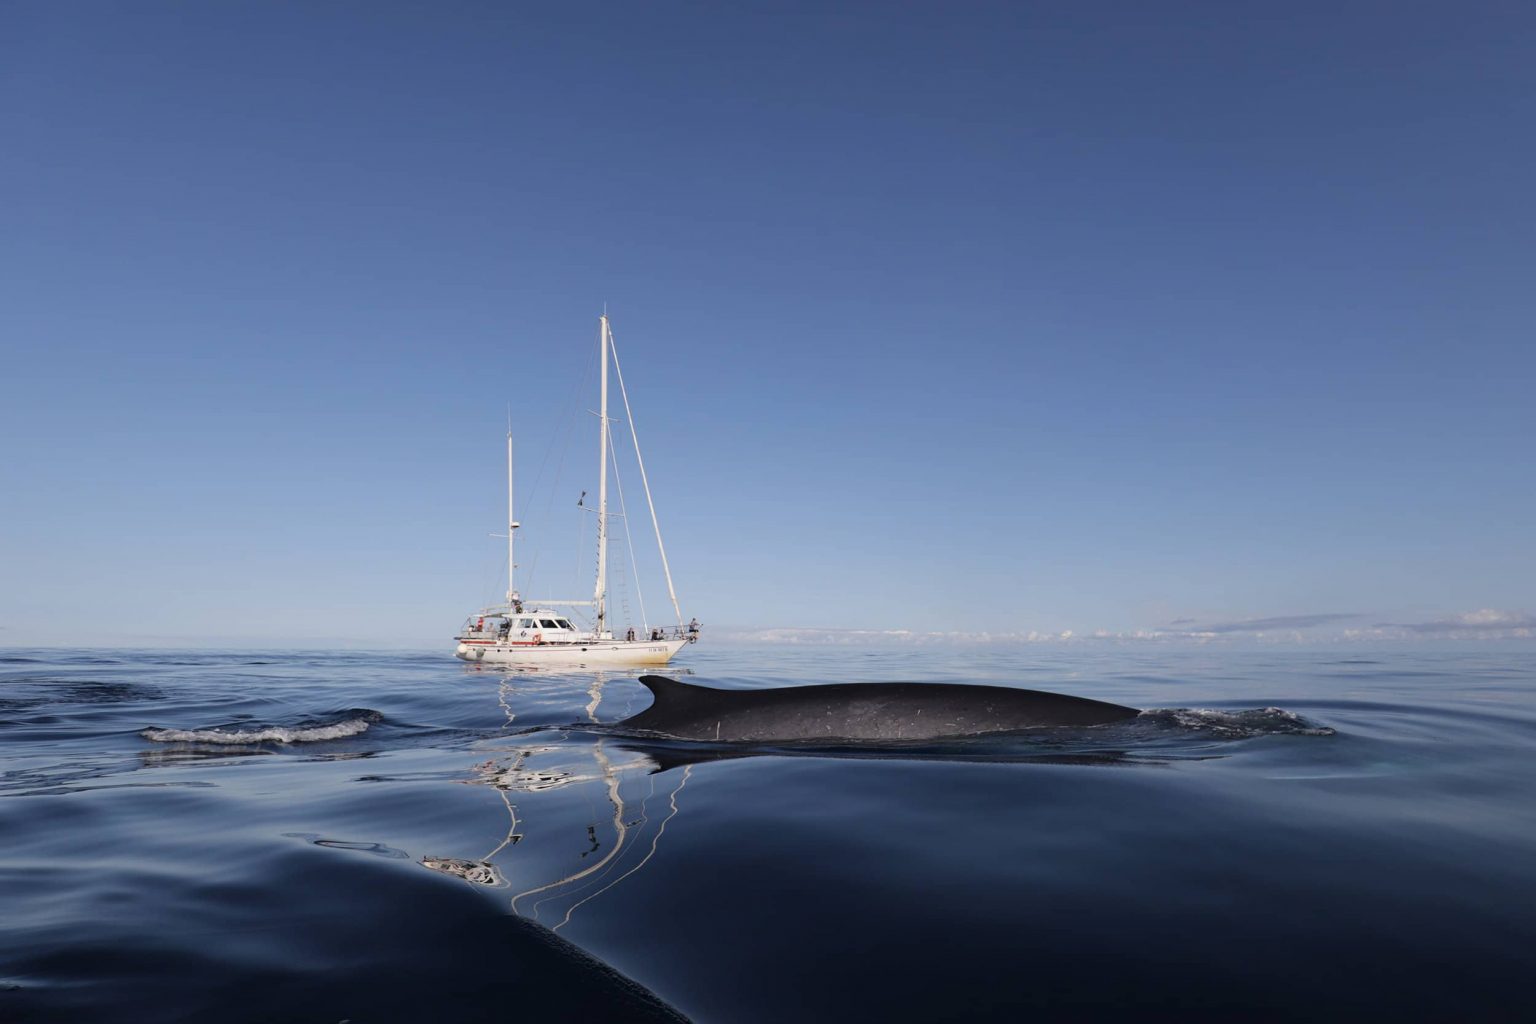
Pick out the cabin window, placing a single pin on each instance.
(549, 624)
(527, 624)
(566, 625)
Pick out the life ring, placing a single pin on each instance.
(538, 638)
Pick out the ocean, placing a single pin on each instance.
(291, 836)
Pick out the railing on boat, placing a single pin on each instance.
(691, 634)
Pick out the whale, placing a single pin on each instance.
(857, 712)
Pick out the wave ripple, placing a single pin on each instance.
(353, 726)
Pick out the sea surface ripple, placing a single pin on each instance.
(255, 836)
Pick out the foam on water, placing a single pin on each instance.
(1237, 724)
(269, 734)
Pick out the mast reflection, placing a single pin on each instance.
(614, 839)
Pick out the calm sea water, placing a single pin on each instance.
(292, 837)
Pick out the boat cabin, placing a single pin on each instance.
(538, 626)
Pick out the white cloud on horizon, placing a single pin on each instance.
(1483, 624)
(1484, 621)
(1267, 625)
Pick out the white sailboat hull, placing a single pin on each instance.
(598, 652)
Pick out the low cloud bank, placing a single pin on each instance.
(1269, 625)
(1484, 622)
(1317, 627)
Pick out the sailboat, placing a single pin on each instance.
(533, 633)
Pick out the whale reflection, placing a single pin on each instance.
(664, 756)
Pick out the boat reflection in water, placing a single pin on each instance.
(622, 842)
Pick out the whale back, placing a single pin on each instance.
(859, 711)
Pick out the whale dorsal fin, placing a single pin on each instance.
(658, 683)
(669, 691)
(672, 697)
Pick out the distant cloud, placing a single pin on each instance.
(1267, 625)
(1485, 621)
(1484, 624)
(823, 637)
(811, 637)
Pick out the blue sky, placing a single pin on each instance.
(999, 318)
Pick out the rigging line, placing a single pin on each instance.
(493, 571)
(567, 431)
(655, 524)
(566, 425)
(495, 568)
(634, 567)
(581, 542)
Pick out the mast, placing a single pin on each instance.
(600, 598)
(512, 525)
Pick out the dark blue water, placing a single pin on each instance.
(257, 837)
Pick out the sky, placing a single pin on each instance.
(1015, 320)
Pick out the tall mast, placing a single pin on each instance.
(511, 527)
(601, 596)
